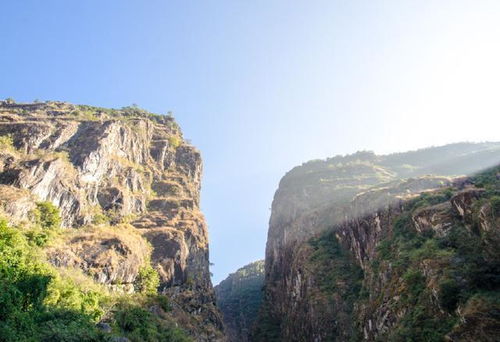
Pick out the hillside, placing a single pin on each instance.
(102, 234)
(239, 297)
(329, 220)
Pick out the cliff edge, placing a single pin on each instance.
(127, 188)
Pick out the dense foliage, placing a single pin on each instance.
(239, 297)
(338, 276)
(37, 303)
(466, 257)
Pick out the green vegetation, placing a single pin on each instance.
(148, 279)
(174, 141)
(39, 303)
(36, 304)
(449, 294)
(338, 276)
(267, 327)
(47, 215)
(126, 114)
(6, 142)
(495, 205)
(46, 224)
(100, 218)
(335, 269)
(466, 259)
(239, 297)
(140, 325)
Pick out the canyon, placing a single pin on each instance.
(102, 239)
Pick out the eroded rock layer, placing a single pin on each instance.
(127, 169)
(326, 277)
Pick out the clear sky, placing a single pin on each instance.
(261, 86)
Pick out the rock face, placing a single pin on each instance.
(239, 297)
(127, 169)
(325, 279)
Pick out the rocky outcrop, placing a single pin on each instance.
(239, 297)
(128, 170)
(111, 256)
(356, 201)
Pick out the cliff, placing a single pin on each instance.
(325, 279)
(127, 187)
(239, 297)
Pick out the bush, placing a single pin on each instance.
(495, 205)
(403, 227)
(174, 141)
(47, 224)
(163, 302)
(148, 280)
(384, 249)
(100, 218)
(47, 215)
(140, 325)
(449, 294)
(6, 141)
(130, 318)
(415, 284)
(35, 303)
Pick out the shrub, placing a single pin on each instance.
(130, 318)
(495, 205)
(140, 325)
(6, 141)
(174, 141)
(47, 215)
(415, 283)
(38, 303)
(148, 280)
(384, 249)
(403, 226)
(449, 294)
(100, 218)
(35, 303)
(164, 303)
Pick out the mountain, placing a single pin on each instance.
(393, 248)
(239, 297)
(101, 225)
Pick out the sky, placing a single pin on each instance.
(262, 86)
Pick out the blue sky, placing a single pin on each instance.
(262, 86)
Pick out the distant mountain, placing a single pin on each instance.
(239, 297)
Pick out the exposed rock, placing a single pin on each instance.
(111, 166)
(16, 203)
(111, 256)
(437, 218)
(462, 202)
(358, 198)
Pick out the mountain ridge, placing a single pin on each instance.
(357, 198)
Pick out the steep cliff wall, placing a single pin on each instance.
(129, 184)
(314, 282)
(239, 297)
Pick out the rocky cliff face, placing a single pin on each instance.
(239, 297)
(325, 279)
(127, 170)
